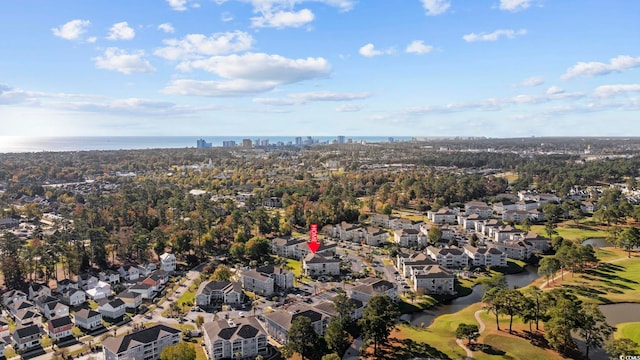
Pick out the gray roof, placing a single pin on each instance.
(244, 328)
(122, 343)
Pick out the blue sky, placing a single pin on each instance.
(496, 68)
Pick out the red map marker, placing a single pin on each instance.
(313, 238)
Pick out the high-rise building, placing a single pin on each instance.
(246, 143)
(228, 143)
(202, 143)
(298, 140)
(340, 139)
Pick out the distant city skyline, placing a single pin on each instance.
(498, 68)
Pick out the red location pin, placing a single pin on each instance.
(313, 238)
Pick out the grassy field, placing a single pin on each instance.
(569, 231)
(629, 330)
(296, 267)
(188, 297)
(613, 282)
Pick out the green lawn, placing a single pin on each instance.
(188, 297)
(613, 282)
(630, 330)
(296, 267)
(569, 231)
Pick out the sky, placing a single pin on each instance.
(493, 68)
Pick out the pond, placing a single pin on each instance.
(426, 317)
(597, 242)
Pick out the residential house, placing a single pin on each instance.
(405, 262)
(109, 276)
(540, 243)
(219, 292)
(328, 308)
(518, 250)
(131, 299)
(59, 327)
(527, 205)
(503, 206)
(73, 297)
(51, 307)
(26, 337)
(349, 232)
(588, 207)
(87, 281)
(36, 290)
(409, 238)
(279, 322)
(26, 317)
(487, 227)
(443, 216)
(469, 222)
(272, 202)
(370, 287)
(315, 265)
(485, 256)
(516, 216)
(504, 233)
(449, 257)
(88, 319)
(129, 272)
(65, 284)
(153, 282)
(240, 338)
(433, 279)
(4, 328)
(112, 309)
(161, 276)
(282, 278)
(479, 208)
(9, 223)
(285, 246)
(145, 344)
(396, 223)
(13, 296)
(257, 283)
(147, 268)
(168, 262)
(446, 233)
(101, 290)
(327, 248)
(380, 220)
(375, 236)
(145, 290)
(2, 346)
(14, 307)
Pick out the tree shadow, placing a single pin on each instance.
(404, 349)
(490, 350)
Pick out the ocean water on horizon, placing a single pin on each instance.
(21, 144)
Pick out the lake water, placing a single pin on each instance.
(426, 317)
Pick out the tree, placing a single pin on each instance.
(378, 319)
(435, 233)
(180, 351)
(344, 307)
(593, 327)
(538, 305)
(621, 347)
(550, 228)
(497, 281)
(332, 356)
(336, 337)
(493, 303)
(526, 224)
(222, 273)
(512, 302)
(467, 331)
(563, 317)
(199, 321)
(98, 238)
(629, 239)
(301, 338)
(548, 266)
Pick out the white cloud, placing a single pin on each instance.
(178, 5)
(122, 61)
(514, 5)
(349, 107)
(369, 50)
(167, 28)
(194, 46)
(493, 36)
(283, 19)
(121, 31)
(606, 91)
(532, 81)
(418, 47)
(72, 30)
(226, 17)
(589, 69)
(262, 67)
(218, 88)
(436, 7)
(301, 98)
(554, 90)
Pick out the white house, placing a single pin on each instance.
(101, 290)
(145, 290)
(433, 279)
(110, 276)
(129, 272)
(73, 297)
(451, 257)
(88, 319)
(112, 309)
(279, 322)
(131, 299)
(26, 337)
(87, 281)
(443, 216)
(485, 256)
(168, 262)
(315, 265)
(479, 208)
(145, 344)
(257, 283)
(375, 236)
(36, 290)
(370, 287)
(219, 292)
(282, 278)
(239, 338)
(409, 237)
